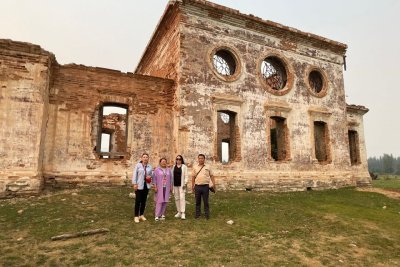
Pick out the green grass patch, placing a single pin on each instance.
(335, 227)
(387, 182)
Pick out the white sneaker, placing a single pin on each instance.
(156, 219)
(162, 217)
(142, 218)
(183, 217)
(178, 215)
(136, 219)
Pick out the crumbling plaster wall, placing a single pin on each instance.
(53, 134)
(76, 96)
(355, 122)
(24, 83)
(204, 30)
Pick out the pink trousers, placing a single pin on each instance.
(160, 209)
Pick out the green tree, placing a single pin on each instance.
(374, 165)
(388, 163)
(397, 166)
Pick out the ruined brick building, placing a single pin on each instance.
(264, 102)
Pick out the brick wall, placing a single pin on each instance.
(76, 96)
(50, 120)
(24, 84)
(161, 57)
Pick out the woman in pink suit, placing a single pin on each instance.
(162, 180)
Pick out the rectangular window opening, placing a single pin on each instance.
(105, 142)
(354, 148)
(278, 138)
(112, 139)
(226, 136)
(225, 151)
(321, 141)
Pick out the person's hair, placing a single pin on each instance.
(141, 161)
(162, 159)
(183, 162)
(201, 155)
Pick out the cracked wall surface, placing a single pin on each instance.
(50, 120)
(51, 114)
(206, 28)
(24, 85)
(76, 96)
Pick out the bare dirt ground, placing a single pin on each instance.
(389, 193)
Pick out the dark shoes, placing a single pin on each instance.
(198, 217)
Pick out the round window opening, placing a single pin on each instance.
(274, 73)
(224, 63)
(316, 81)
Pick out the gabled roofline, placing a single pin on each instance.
(167, 11)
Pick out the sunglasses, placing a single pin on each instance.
(178, 158)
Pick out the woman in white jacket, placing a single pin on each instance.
(180, 179)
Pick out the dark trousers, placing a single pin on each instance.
(201, 191)
(140, 201)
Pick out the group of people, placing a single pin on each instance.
(165, 180)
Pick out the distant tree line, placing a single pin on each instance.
(386, 164)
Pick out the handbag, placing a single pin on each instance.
(146, 178)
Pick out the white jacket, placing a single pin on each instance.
(184, 176)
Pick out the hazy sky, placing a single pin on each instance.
(114, 33)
